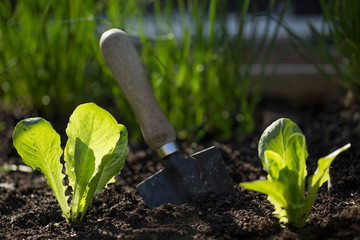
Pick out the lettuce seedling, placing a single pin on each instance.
(94, 153)
(283, 152)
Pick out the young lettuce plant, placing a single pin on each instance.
(283, 152)
(94, 153)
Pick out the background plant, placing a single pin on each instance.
(337, 43)
(200, 69)
(48, 54)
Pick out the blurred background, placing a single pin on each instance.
(210, 62)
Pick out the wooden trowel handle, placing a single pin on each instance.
(123, 61)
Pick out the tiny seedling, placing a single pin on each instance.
(94, 153)
(283, 152)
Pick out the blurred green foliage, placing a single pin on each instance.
(337, 43)
(49, 54)
(199, 70)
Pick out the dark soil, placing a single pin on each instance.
(29, 210)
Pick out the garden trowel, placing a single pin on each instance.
(182, 179)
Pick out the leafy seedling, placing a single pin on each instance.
(95, 152)
(283, 152)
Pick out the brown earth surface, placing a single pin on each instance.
(30, 211)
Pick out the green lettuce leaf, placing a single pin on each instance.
(275, 138)
(110, 166)
(39, 146)
(93, 133)
(320, 176)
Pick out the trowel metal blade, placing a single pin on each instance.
(185, 179)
